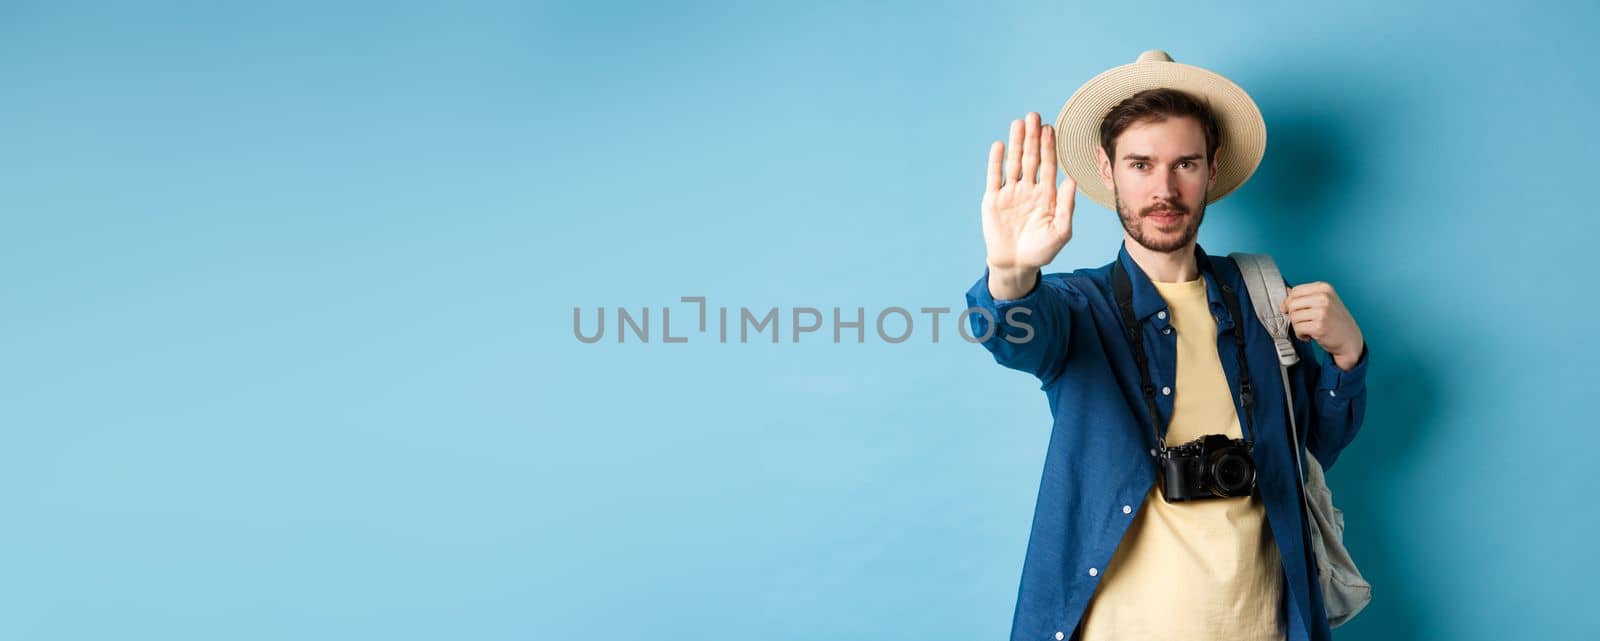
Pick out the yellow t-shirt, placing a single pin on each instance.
(1201, 569)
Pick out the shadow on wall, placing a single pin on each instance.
(1318, 120)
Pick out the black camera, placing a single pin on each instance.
(1212, 466)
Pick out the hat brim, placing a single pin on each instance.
(1243, 134)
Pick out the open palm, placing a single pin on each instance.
(1026, 219)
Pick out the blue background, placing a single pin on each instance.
(288, 308)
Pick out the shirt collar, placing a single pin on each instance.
(1147, 301)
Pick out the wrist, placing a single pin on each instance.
(1010, 283)
(1347, 361)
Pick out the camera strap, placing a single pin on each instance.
(1123, 289)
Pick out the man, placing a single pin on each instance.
(1109, 555)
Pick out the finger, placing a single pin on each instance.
(1288, 304)
(996, 153)
(1308, 328)
(1014, 153)
(1303, 315)
(1030, 150)
(1047, 155)
(1066, 196)
(1299, 300)
(1313, 287)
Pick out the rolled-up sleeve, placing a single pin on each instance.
(1030, 333)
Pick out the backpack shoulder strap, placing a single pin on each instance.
(1345, 591)
(1267, 293)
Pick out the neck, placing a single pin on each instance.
(1166, 267)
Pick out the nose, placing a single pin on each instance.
(1166, 188)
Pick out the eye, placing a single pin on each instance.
(1186, 164)
(1138, 165)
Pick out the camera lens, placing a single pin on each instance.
(1232, 474)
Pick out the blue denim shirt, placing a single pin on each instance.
(1100, 463)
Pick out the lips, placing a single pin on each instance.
(1165, 217)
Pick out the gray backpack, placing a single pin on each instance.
(1344, 591)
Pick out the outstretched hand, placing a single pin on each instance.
(1026, 218)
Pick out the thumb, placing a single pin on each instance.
(1066, 196)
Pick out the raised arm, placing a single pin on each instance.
(1026, 316)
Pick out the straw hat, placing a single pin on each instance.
(1243, 133)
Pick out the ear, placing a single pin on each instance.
(1104, 162)
(1212, 180)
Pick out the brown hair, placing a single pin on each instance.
(1156, 105)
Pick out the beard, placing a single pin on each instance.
(1133, 223)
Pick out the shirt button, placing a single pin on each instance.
(1127, 509)
(1094, 571)
(1161, 315)
(1166, 330)
(1167, 391)
(1060, 636)
(1330, 393)
(1152, 451)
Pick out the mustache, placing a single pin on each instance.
(1164, 209)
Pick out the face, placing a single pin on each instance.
(1160, 178)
